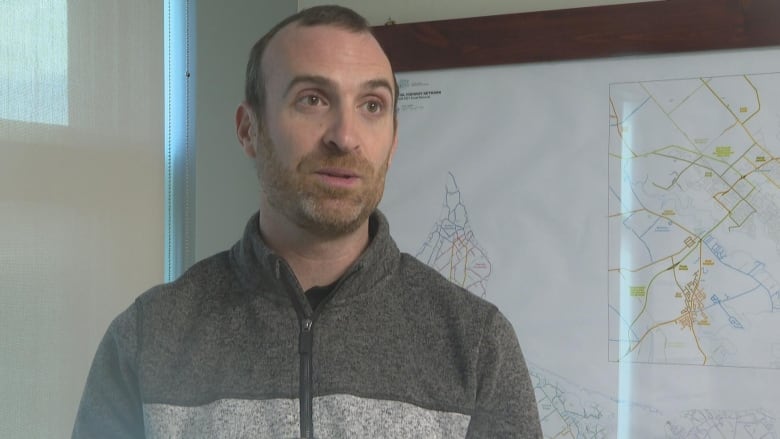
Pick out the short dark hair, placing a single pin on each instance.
(332, 15)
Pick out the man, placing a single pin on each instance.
(313, 324)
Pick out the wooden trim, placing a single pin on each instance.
(656, 27)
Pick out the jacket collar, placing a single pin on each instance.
(263, 271)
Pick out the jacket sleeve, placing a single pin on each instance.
(505, 401)
(111, 403)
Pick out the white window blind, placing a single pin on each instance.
(82, 216)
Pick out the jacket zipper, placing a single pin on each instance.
(305, 397)
(305, 350)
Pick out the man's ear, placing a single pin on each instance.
(246, 129)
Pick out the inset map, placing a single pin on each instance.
(694, 221)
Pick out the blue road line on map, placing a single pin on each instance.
(647, 247)
(651, 226)
(625, 322)
(719, 255)
(735, 323)
(631, 114)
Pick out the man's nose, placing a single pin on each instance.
(342, 132)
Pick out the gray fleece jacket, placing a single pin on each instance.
(233, 349)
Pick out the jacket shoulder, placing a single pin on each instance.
(206, 277)
(423, 279)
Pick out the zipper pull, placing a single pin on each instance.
(305, 345)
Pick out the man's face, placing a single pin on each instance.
(327, 133)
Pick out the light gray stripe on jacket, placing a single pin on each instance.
(335, 416)
(225, 418)
(347, 416)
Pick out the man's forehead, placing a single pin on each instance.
(322, 44)
(297, 30)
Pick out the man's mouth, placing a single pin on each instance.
(338, 177)
(338, 173)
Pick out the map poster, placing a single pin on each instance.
(623, 214)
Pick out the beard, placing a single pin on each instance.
(303, 199)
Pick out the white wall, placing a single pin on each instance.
(81, 201)
(226, 189)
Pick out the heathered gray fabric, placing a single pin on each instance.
(337, 416)
(226, 418)
(394, 330)
(341, 416)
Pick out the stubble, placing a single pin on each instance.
(309, 203)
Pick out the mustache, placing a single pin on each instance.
(328, 159)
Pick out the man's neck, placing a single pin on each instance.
(316, 261)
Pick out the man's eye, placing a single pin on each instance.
(373, 106)
(311, 100)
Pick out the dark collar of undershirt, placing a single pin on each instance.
(315, 295)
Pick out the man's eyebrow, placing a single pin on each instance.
(321, 81)
(379, 83)
(317, 80)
